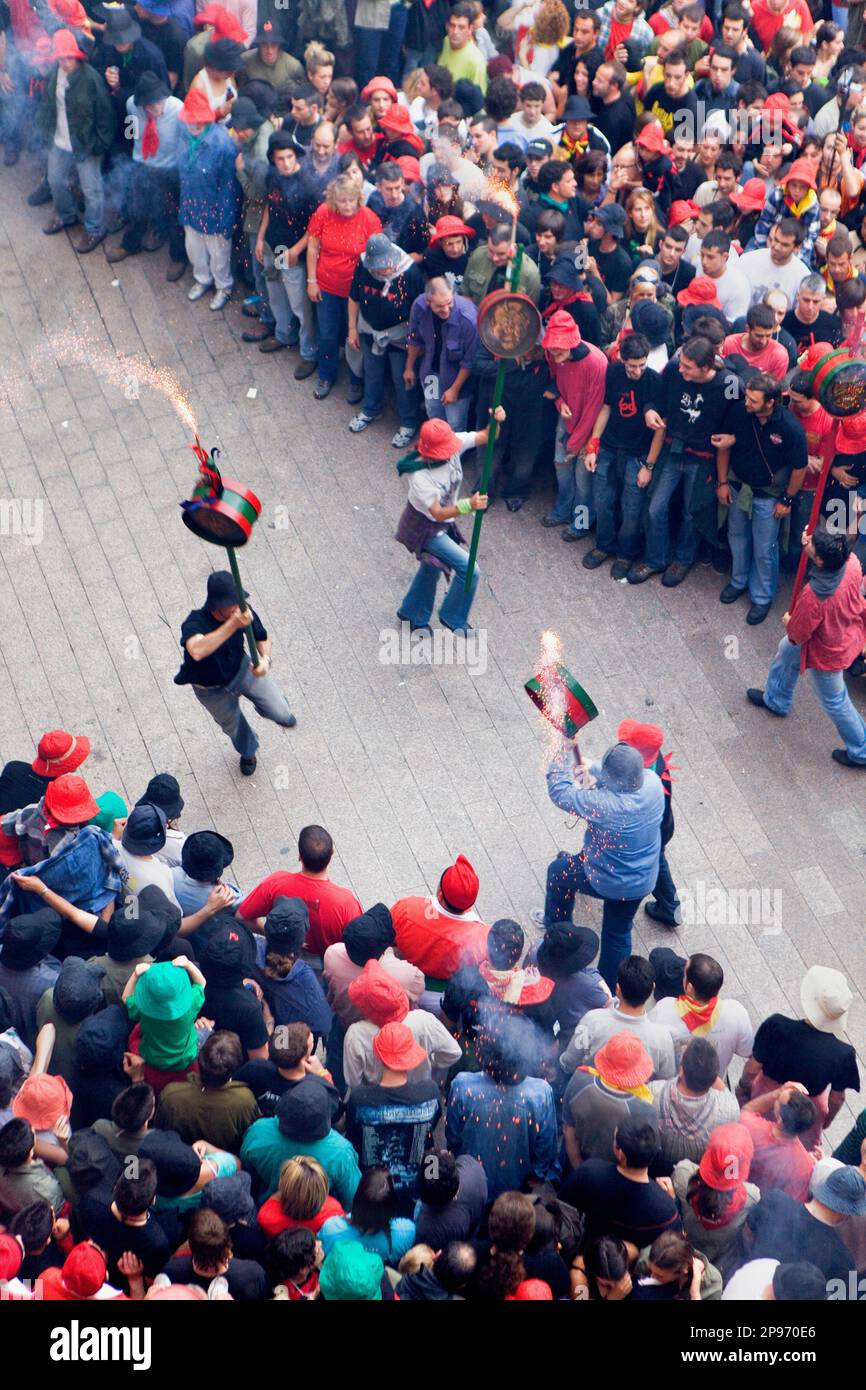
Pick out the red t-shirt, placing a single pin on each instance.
(341, 241)
(786, 1166)
(766, 24)
(330, 906)
(273, 1219)
(820, 431)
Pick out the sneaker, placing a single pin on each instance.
(220, 300)
(175, 270)
(359, 422)
(403, 438)
(199, 291)
(304, 369)
(41, 194)
(248, 766)
(537, 916)
(593, 558)
(841, 755)
(620, 568)
(116, 253)
(88, 243)
(323, 389)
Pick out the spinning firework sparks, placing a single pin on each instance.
(564, 703)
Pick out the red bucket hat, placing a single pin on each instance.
(410, 168)
(459, 883)
(42, 1100)
(225, 25)
(397, 121)
(60, 752)
(450, 226)
(624, 1062)
(851, 435)
(726, 1159)
(646, 738)
(801, 171)
(84, 1270)
(397, 1049)
(196, 109)
(68, 801)
(751, 197)
(702, 290)
(65, 45)
(561, 331)
(437, 440)
(681, 210)
(652, 137)
(378, 996)
(379, 84)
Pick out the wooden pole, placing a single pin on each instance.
(242, 603)
(820, 488)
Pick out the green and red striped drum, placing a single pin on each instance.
(221, 510)
(837, 378)
(563, 702)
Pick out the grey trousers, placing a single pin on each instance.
(223, 703)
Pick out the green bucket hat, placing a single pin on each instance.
(164, 992)
(111, 808)
(351, 1273)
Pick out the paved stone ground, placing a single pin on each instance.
(407, 765)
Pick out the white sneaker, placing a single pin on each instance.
(537, 916)
(360, 422)
(198, 291)
(403, 438)
(220, 299)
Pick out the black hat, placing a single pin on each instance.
(120, 27)
(669, 968)
(505, 942)
(231, 1198)
(245, 115)
(205, 854)
(565, 949)
(539, 149)
(367, 936)
(469, 95)
(577, 109)
(136, 930)
(286, 926)
(229, 955)
(144, 832)
(102, 1040)
(163, 790)
(304, 1112)
(78, 989)
(653, 320)
(223, 55)
(566, 271)
(28, 940)
(91, 1161)
(281, 140)
(264, 94)
(178, 1166)
(150, 89)
(692, 312)
(266, 33)
(221, 591)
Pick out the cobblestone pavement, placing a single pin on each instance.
(406, 764)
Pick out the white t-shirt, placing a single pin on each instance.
(171, 851)
(763, 274)
(140, 872)
(62, 138)
(732, 1034)
(440, 484)
(542, 130)
(734, 292)
(749, 1282)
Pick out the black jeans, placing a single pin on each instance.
(154, 200)
(519, 436)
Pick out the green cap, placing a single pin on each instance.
(164, 991)
(111, 808)
(351, 1272)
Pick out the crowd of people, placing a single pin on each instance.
(267, 1091)
(255, 1092)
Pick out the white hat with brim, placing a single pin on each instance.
(826, 999)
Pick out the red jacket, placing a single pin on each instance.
(831, 631)
(581, 385)
(436, 943)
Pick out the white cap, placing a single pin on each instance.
(826, 999)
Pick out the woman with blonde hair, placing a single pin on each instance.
(338, 232)
(319, 63)
(302, 1199)
(642, 226)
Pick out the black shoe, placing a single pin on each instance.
(323, 389)
(354, 393)
(56, 225)
(175, 270)
(593, 558)
(550, 522)
(40, 195)
(674, 574)
(248, 766)
(640, 572)
(304, 369)
(721, 560)
(652, 910)
(291, 722)
(620, 568)
(514, 503)
(730, 594)
(272, 344)
(757, 613)
(415, 627)
(256, 335)
(857, 667)
(570, 536)
(840, 755)
(756, 697)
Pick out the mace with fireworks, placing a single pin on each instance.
(555, 692)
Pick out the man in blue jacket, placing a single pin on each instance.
(623, 804)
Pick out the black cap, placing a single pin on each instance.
(177, 1164)
(539, 149)
(205, 854)
(223, 55)
(229, 954)
(245, 115)
(367, 936)
(163, 790)
(28, 940)
(221, 591)
(286, 925)
(78, 989)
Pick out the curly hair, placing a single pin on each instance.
(552, 23)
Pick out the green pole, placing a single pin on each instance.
(239, 588)
(512, 280)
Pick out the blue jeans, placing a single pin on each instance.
(266, 318)
(566, 877)
(377, 367)
(457, 414)
(574, 489)
(680, 470)
(614, 484)
(291, 311)
(800, 509)
(417, 605)
(378, 52)
(153, 202)
(830, 689)
(665, 891)
(754, 543)
(223, 704)
(61, 164)
(332, 314)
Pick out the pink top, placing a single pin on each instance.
(581, 385)
(340, 971)
(773, 358)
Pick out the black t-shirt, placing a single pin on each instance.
(405, 224)
(617, 1206)
(784, 1230)
(551, 1267)
(237, 1009)
(827, 328)
(694, 410)
(567, 61)
(614, 266)
(668, 109)
(616, 122)
(149, 1242)
(628, 400)
(386, 305)
(686, 184)
(222, 665)
(460, 1218)
(764, 456)
(302, 135)
(20, 786)
(790, 1049)
(292, 200)
(435, 262)
(246, 1279)
(680, 277)
(34, 1265)
(390, 1126)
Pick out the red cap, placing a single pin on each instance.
(702, 290)
(65, 45)
(646, 738)
(652, 137)
(561, 332)
(397, 1049)
(225, 25)
(778, 102)
(803, 171)
(624, 1062)
(851, 435)
(437, 440)
(410, 167)
(42, 1100)
(68, 801)
(459, 883)
(681, 209)
(751, 197)
(60, 752)
(533, 1291)
(196, 109)
(726, 1159)
(378, 996)
(84, 1270)
(449, 225)
(11, 1256)
(379, 84)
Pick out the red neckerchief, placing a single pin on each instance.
(150, 139)
(573, 296)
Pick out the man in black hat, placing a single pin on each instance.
(578, 134)
(27, 966)
(122, 56)
(135, 938)
(154, 192)
(266, 60)
(160, 28)
(163, 791)
(217, 667)
(204, 857)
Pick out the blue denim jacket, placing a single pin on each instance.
(459, 338)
